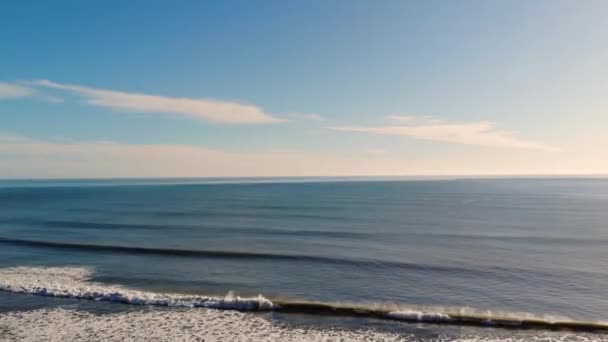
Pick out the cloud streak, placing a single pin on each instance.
(306, 116)
(401, 118)
(475, 133)
(14, 91)
(24, 157)
(204, 109)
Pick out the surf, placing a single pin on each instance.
(77, 283)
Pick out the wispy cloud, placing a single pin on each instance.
(306, 116)
(18, 91)
(411, 119)
(14, 91)
(204, 109)
(474, 133)
(401, 118)
(376, 151)
(27, 157)
(22, 156)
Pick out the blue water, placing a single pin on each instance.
(507, 245)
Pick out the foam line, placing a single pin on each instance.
(75, 282)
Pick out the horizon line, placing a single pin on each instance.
(351, 177)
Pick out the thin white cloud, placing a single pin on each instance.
(204, 109)
(401, 118)
(376, 151)
(17, 91)
(430, 120)
(306, 116)
(474, 133)
(14, 91)
(25, 157)
(411, 119)
(35, 158)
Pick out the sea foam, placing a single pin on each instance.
(218, 325)
(175, 325)
(75, 282)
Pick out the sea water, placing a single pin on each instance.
(305, 259)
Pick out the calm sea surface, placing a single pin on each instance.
(495, 247)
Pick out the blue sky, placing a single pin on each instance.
(263, 88)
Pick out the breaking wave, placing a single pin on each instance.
(76, 282)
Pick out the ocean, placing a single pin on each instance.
(298, 259)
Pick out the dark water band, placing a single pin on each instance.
(220, 254)
(438, 318)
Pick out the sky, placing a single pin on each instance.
(95, 89)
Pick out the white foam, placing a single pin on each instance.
(419, 316)
(191, 321)
(214, 325)
(75, 282)
(176, 325)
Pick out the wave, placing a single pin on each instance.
(251, 230)
(256, 256)
(256, 230)
(76, 282)
(228, 254)
(78, 224)
(168, 251)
